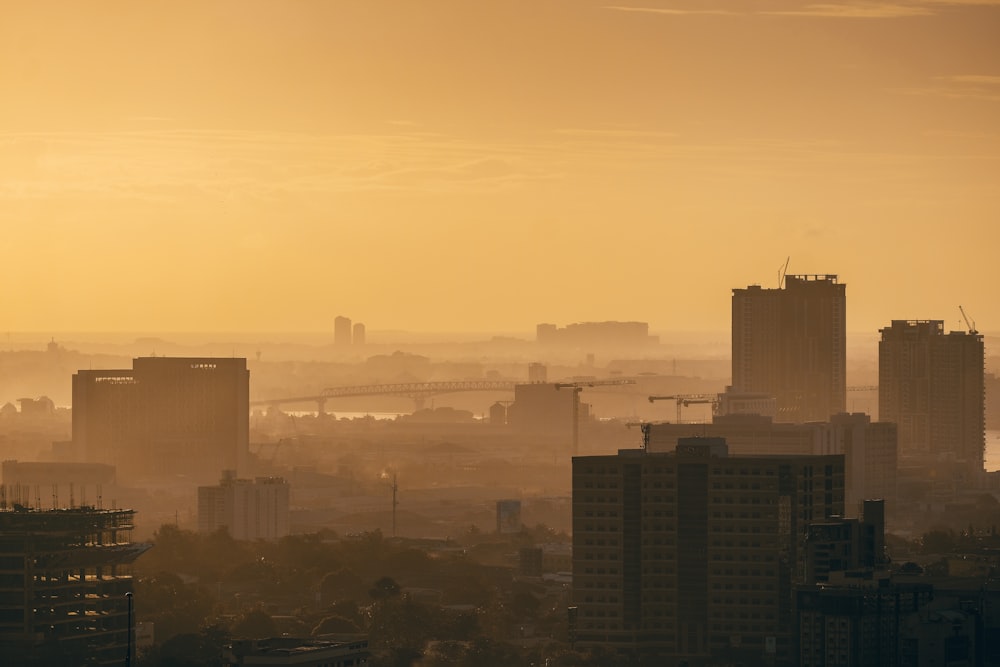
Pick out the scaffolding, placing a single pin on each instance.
(64, 576)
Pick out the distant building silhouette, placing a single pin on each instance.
(869, 448)
(509, 516)
(692, 553)
(63, 590)
(254, 509)
(791, 343)
(547, 410)
(596, 335)
(932, 385)
(179, 418)
(736, 403)
(537, 372)
(36, 407)
(359, 334)
(342, 330)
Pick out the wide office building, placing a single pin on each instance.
(169, 418)
(693, 553)
(932, 385)
(791, 343)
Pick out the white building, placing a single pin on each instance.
(249, 509)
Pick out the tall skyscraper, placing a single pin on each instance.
(694, 552)
(791, 343)
(342, 330)
(931, 384)
(359, 334)
(180, 418)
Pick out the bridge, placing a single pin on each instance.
(420, 391)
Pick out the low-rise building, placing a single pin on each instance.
(254, 509)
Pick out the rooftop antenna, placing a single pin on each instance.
(782, 272)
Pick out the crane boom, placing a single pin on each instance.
(972, 326)
(684, 400)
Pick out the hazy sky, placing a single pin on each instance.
(487, 165)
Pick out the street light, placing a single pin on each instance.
(128, 655)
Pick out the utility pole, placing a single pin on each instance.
(128, 655)
(395, 487)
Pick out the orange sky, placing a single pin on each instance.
(487, 165)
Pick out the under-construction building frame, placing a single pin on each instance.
(65, 585)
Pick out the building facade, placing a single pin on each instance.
(932, 385)
(791, 343)
(342, 330)
(64, 576)
(547, 411)
(693, 553)
(869, 448)
(249, 509)
(177, 418)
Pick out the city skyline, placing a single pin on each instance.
(265, 166)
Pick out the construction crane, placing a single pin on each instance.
(972, 325)
(684, 400)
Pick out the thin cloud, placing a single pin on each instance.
(669, 11)
(984, 87)
(844, 10)
(613, 133)
(856, 11)
(982, 79)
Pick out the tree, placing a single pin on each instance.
(255, 624)
(938, 541)
(189, 649)
(175, 607)
(342, 584)
(384, 588)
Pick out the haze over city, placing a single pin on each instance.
(483, 166)
(500, 332)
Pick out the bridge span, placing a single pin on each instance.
(420, 391)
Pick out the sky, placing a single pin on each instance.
(461, 165)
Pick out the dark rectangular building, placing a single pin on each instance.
(694, 553)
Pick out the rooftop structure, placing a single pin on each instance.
(301, 652)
